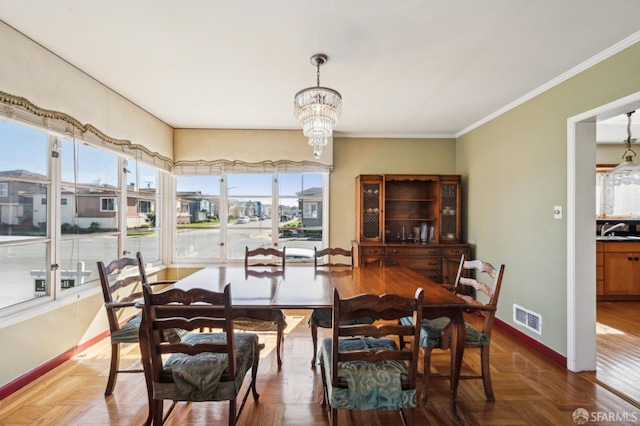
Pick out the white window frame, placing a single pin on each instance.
(113, 200)
(4, 189)
(146, 202)
(307, 211)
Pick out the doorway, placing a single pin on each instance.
(581, 288)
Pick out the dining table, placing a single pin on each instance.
(307, 287)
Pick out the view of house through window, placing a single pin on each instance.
(66, 204)
(218, 216)
(63, 207)
(24, 219)
(89, 222)
(143, 224)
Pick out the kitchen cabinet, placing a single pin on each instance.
(621, 271)
(412, 221)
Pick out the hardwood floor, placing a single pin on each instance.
(618, 348)
(529, 388)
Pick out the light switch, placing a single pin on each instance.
(557, 212)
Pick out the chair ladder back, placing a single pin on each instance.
(262, 251)
(141, 268)
(189, 310)
(115, 277)
(332, 251)
(386, 307)
(491, 290)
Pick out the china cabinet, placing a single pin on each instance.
(412, 221)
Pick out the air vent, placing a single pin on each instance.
(527, 318)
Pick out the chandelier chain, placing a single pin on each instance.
(628, 143)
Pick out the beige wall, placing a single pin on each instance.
(610, 153)
(515, 169)
(31, 72)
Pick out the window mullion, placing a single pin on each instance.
(121, 209)
(54, 216)
(275, 211)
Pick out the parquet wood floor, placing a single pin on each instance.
(529, 388)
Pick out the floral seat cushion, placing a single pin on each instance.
(197, 378)
(370, 385)
(431, 332)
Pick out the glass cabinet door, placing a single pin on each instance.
(450, 217)
(370, 208)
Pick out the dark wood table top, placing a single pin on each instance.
(303, 287)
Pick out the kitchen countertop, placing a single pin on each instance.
(618, 238)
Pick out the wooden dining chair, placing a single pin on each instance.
(362, 366)
(435, 333)
(202, 366)
(265, 256)
(259, 320)
(121, 281)
(338, 257)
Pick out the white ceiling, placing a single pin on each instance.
(410, 68)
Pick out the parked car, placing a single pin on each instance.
(299, 253)
(242, 219)
(253, 219)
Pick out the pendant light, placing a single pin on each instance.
(628, 167)
(317, 109)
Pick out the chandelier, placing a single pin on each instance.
(628, 167)
(317, 109)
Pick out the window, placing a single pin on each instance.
(143, 195)
(617, 196)
(310, 210)
(198, 220)
(91, 186)
(89, 221)
(108, 204)
(259, 210)
(24, 182)
(144, 207)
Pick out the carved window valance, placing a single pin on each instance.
(22, 110)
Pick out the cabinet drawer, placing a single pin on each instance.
(372, 261)
(454, 251)
(368, 251)
(414, 251)
(417, 263)
(623, 247)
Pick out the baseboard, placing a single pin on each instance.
(539, 347)
(39, 371)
